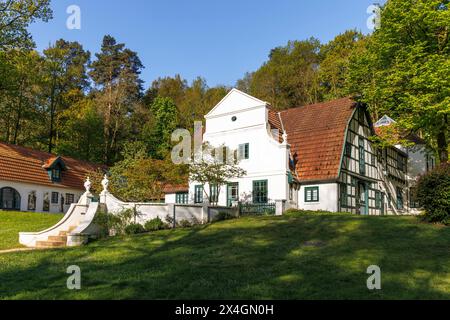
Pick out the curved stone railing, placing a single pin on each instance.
(79, 216)
(72, 218)
(86, 227)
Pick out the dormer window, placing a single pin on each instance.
(56, 174)
(54, 168)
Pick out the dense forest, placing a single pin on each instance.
(69, 101)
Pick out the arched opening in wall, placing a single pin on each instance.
(9, 199)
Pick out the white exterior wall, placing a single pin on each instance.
(268, 159)
(170, 198)
(328, 197)
(25, 189)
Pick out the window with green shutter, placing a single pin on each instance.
(244, 151)
(198, 194)
(213, 193)
(260, 191)
(311, 194)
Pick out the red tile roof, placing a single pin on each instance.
(316, 134)
(275, 123)
(169, 188)
(21, 164)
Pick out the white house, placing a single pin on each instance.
(316, 157)
(32, 180)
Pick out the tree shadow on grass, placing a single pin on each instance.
(250, 258)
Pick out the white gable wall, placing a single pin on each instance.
(268, 158)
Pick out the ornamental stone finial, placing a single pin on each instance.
(105, 183)
(87, 185)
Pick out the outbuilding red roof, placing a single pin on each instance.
(316, 134)
(22, 164)
(170, 188)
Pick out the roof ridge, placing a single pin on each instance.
(49, 155)
(318, 103)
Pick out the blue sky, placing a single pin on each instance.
(218, 40)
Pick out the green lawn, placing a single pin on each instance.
(11, 223)
(296, 257)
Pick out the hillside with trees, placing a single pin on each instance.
(91, 106)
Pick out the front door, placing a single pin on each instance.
(232, 193)
(363, 198)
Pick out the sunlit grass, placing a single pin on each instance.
(12, 222)
(290, 257)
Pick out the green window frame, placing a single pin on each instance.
(312, 194)
(362, 157)
(213, 193)
(182, 198)
(378, 199)
(244, 151)
(198, 194)
(232, 193)
(56, 174)
(344, 195)
(400, 204)
(348, 149)
(260, 191)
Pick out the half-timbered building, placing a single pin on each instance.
(315, 157)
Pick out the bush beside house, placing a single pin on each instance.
(433, 192)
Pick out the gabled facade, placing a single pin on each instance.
(244, 123)
(316, 157)
(36, 181)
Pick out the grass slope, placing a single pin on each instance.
(11, 223)
(248, 258)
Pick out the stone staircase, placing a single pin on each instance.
(56, 241)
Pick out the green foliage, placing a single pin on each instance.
(115, 73)
(155, 225)
(405, 69)
(297, 212)
(170, 220)
(134, 228)
(433, 193)
(16, 16)
(115, 224)
(138, 177)
(185, 224)
(224, 215)
(335, 61)
(165, 122)
(290, 77)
